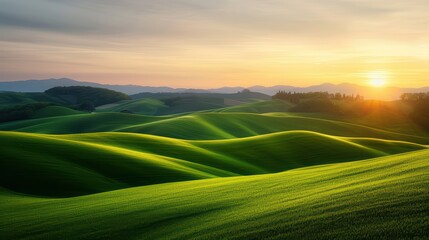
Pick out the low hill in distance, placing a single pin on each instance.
(63, 96)
(34, 110)
(9, 99)
(390, 115)
(78, 95)
(58, 101)
(157, 107)
(17, 105)
(157, 104)
(269, 106)
(45, 84)
(54, 111)
(243, 96)
(392, 93)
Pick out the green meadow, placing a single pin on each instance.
(152, 169)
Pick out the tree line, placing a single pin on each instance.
(415, 97)
(22, 111)
(296, 97)
(420, 105)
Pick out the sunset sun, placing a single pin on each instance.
(377, 79)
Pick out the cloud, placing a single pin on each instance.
(175, 32)
(213, 21)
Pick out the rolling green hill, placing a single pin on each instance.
(233, 125)
(251, 171)
(155, 107)
(382, 198)
(260, 107)
(8, 99)
(63, 96)
(203, 126)
(80, 94)
(238, 97)
(140, 106)
(68, 165)
(54, 111)
(95, 122)
(58, 101)
(157, 104)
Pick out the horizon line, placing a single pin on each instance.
(210, 88)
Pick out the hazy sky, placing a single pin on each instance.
(211, 43)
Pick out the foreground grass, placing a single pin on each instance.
(78, 164)
(382, 198)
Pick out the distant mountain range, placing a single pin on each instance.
(387, 93)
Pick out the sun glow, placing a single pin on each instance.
(377, 79)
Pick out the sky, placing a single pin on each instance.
(206, 43)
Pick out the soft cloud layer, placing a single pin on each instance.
(197, 43)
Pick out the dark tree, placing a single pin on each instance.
(87, 106)
(78, 95)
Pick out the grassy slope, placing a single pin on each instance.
(54, 111)
(392, 116)
(51, 165)
(97, 122)
(233, 125)
(8, 99)
(156, 107)
(371, 199)
(69, 165)
(192, 105)
(260, 107)
(140, 106)
(203, 125)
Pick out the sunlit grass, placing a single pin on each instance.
(377, 198)
(69, 165)
(207, 126)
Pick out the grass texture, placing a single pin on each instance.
(381, 198)
(203, 126)
(77, 164)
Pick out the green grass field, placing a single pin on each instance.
(381, 198)
(54, 111)
(156, 107)
(140, 106)
(259, 107)
(207, 126)
(252, 171)
(70, 165)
